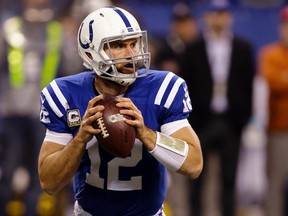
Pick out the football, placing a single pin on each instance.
(116, 137)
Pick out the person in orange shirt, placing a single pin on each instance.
(273, 65)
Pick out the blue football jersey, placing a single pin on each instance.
(104, 184)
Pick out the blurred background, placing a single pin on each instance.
(38, 42)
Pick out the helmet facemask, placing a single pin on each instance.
(106, 67)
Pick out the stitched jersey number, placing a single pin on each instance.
(186, 101)
(113, 181)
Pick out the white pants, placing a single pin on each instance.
(78, 211)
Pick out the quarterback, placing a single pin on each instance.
(114, 50)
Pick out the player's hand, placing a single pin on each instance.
(143, 133)
(131, 110)
(86, 131)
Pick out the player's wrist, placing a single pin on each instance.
(169, 151)
(80, 140)
(148, 138)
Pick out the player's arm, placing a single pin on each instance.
(184, 157)
(58, 163)
(189, 162)
(193, 163)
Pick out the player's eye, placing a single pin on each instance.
(133, 45)
(117, 45)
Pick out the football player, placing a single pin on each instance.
(114, 50)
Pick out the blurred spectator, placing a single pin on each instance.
(31, 56)
(251, 174)
(183, 31)
(83, 7)
(169, 56)
(1, 62)
(273, 65)
(219, 70)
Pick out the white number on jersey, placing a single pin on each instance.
(113, 181)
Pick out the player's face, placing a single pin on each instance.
(122, 53)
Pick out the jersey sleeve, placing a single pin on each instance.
(173, 98)
(53, 109)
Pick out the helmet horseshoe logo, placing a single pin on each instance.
(86, 46)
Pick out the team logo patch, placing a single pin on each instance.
(73, 118)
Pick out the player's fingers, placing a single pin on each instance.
(136, 118)
(92, 102)
(92, 111)
(94, 117)
(128, 104)
(87, 124)
(135, 114)
(134, 123)
(87, 131)
(123, 99)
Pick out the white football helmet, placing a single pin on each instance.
(103, 26)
